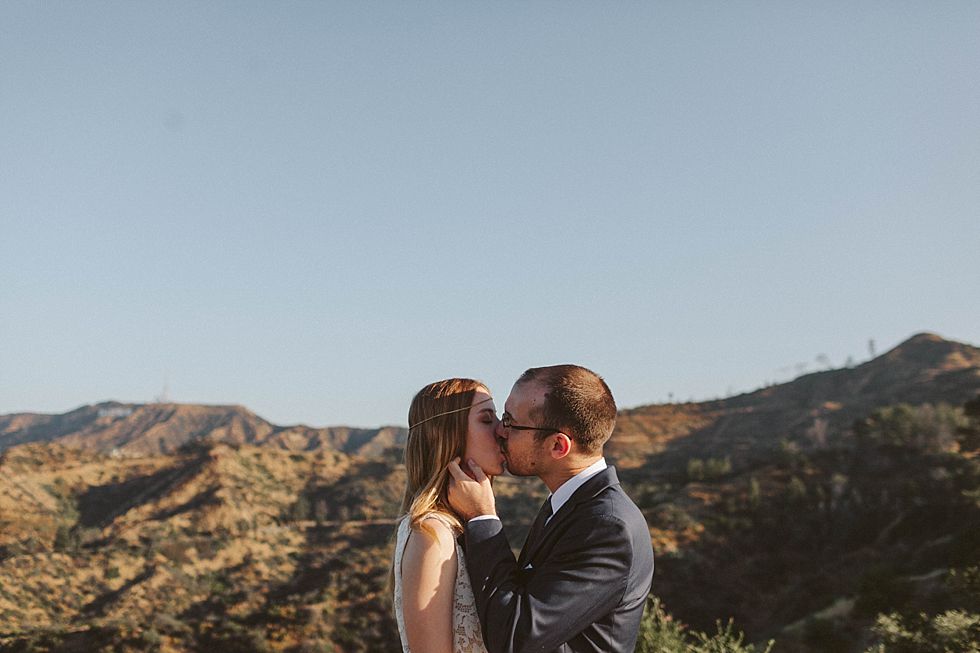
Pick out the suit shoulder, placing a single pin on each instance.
(615, 502)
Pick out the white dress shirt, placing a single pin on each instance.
(566, 489)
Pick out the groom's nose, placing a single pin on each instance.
(500, 431)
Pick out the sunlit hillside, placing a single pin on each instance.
(803, 510)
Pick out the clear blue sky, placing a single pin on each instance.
(315, 208)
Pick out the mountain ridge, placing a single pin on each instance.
(911, 372)
(915, 371)
(163, 428)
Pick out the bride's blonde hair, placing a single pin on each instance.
(437, 425)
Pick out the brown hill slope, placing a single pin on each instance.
(775, 507)
(142, 429)
(284, 541)
(661, 438)
(922, 367)
(89, 539)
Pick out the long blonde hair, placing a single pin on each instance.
(437, 422)
(437, 425)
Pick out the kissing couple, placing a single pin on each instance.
(583, 575)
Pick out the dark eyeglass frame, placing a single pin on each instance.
(505, 422)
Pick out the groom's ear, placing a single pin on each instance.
(561, 445)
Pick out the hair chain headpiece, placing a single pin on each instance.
(448, 412)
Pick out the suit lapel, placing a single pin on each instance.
(604, 479)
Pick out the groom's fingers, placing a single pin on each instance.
(456, 472)
(478, 474)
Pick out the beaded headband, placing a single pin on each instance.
(449, 412)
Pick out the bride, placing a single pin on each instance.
(433, 598)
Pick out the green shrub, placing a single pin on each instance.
(950, 632)
(726, 640)
(706, 470)
(660, 633)
(695, 469)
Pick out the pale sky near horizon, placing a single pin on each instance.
(313, 209)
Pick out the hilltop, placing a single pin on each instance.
(163, 428)
(659, 437)
(915, 371)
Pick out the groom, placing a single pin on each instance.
(582, 578)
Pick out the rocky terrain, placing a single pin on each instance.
(176, 527)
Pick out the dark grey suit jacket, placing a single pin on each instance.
(581, 587)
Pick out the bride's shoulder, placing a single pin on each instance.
(436, 530)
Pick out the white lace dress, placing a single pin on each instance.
(467, 637)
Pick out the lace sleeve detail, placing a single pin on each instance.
(467, 635)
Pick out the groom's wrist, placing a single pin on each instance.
(482, 517)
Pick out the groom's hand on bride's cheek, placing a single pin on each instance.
(470, 494)
(474, 471)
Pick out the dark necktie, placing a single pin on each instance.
(537, 526)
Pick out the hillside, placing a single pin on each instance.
(918, 370)
(788, 507)
(804, 506)
(160, 428)
(921, 369)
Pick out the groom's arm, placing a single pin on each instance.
(584, 578)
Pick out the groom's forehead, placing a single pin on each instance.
(524, 397)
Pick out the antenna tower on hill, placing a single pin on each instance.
(164, 397)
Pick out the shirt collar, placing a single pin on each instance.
(567, 489)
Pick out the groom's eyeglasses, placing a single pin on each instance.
(508, 423)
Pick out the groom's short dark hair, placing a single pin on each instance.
(577, 401)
